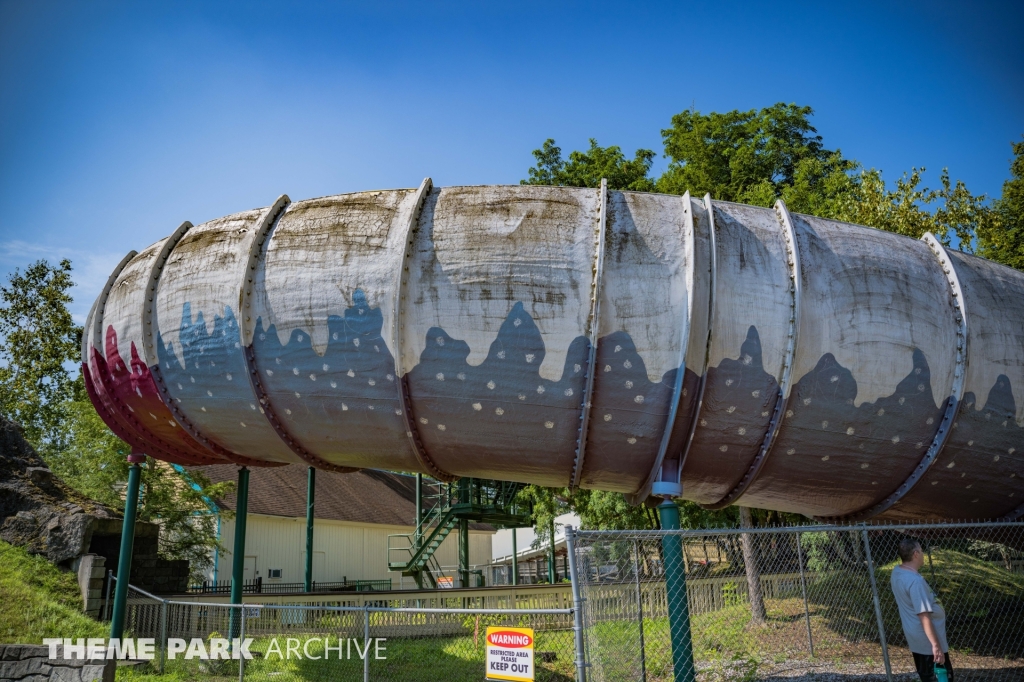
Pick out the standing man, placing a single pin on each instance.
(924, 619)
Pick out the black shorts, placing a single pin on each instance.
(925, 664)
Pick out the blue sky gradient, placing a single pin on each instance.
(119, 120)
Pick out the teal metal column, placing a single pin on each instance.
(238, 558)
(310, 495)
(464, 552)
(515, 559)
(419, 509)
(551, 554)
(124, 559)
(675, 586)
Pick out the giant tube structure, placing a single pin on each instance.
(640, 343)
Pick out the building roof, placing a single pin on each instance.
(366, 496)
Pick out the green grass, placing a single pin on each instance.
(39, 600)
(451, 659)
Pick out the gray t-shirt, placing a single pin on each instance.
(914, 596)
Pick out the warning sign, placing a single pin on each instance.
(445, 582)
(509, 653)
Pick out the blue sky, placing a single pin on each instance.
(119, 120)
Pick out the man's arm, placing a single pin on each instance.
(929, 631)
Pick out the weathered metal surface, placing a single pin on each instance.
(452, 331)
(792, 326)
(593, 336)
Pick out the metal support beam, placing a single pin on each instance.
(419, 509)
(310, 504)
(124, 559)
(678, 604)
(464, 553)
(238, 557)
(552, 574)
(515, 559)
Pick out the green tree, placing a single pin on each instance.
(739, 155)
(604, 510)
(1002, 239)
(37, 339)
(586, 169)
(905, 209)
(760, 156)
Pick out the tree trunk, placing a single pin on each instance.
(757, 613)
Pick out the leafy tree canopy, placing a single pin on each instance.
(760, 156)
(1002, 240)
(586, 169)
(733, 155)
(37, 339)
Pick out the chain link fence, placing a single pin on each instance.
(810, 603)
(443, 638)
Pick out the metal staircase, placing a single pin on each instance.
(448, 504)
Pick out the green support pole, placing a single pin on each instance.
(419, 508)
(464, 552)
(310, 495)
(238, 558)
(675, 587)
(124, 559)
(551, 554)
(515, 559)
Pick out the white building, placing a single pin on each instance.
(354, 515)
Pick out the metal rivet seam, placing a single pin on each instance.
(149, 353)
(142, 438)
(952, 405)
(785, 384)
(712, 287)
(247, 329)
(398, 326)
(592, 338)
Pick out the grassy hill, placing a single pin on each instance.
(39, 600)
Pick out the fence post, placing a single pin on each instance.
(878, 605)
(803, 588)
(577, 605)
(163, 634)
(241, 642)
(675, 588)
(106, 600)
(366, 641)
(640, 610)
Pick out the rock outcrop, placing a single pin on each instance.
(41, 513)
(37, 510)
